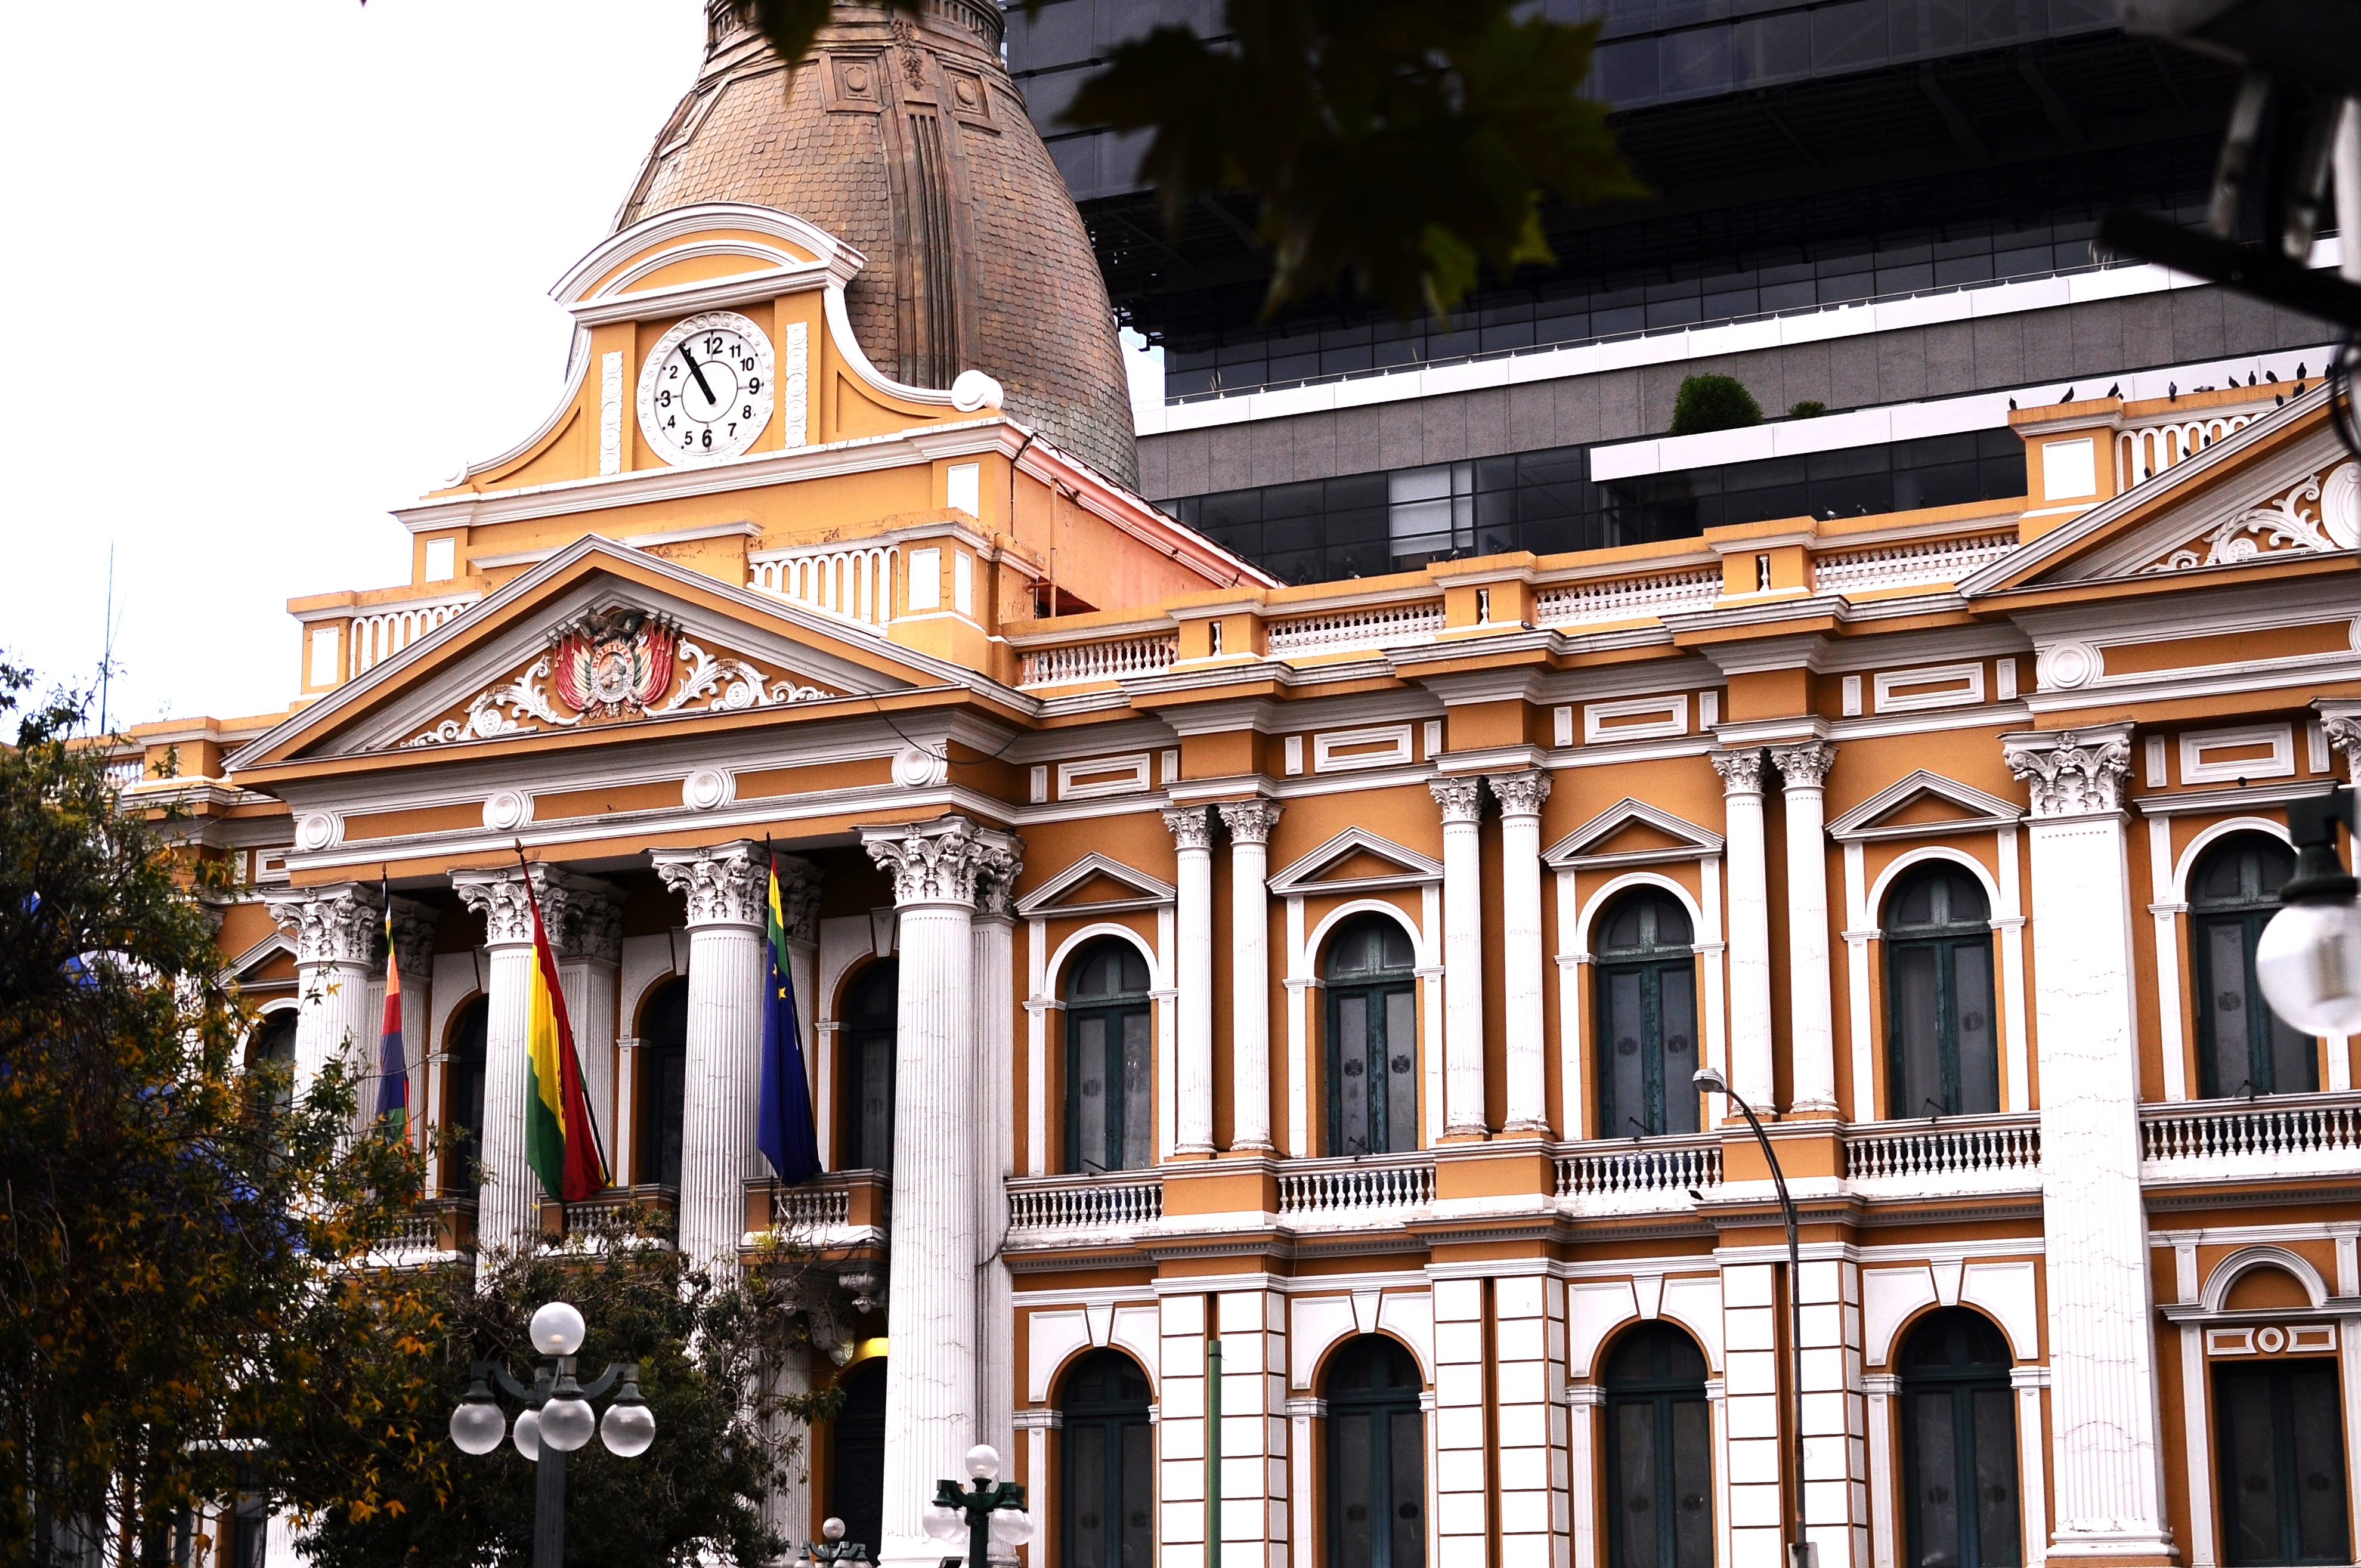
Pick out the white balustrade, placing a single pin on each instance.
(851, 582)
(811, 1208)
(1376, 627)
(1109, 661)
(1093, 1203)
(2287, 1135)
(1354, 1189)
(1626, 598)
(1987, 1154)
(2145, 451)
(380, 634)
(1919, 562)
(1623, 1177)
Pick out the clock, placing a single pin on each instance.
(705, 392)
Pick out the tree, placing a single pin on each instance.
(1397, 146)
(1713, 403)
(709, 1357)
(174, 1230)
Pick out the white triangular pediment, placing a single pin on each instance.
(517, 661)
(1968, 808)
(1383, 864)
(1052, 896)
(1585, 845)
(240, 971)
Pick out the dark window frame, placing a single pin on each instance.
(1959, 1379)
(1397, 1402)
(466, 1062)
(660, 1096)
(2290, 1437)
(1942, 939)
(1118, 1421)
(1655, 963)
(864, 1026)
(2248, 913)
(1658, 1391)
(1112, 1012)
(1373, 987)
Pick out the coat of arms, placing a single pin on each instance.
(614, 664)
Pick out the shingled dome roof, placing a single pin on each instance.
(904, 137)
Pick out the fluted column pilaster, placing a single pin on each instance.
(336, 933)
(724, 888)
(507, 1205)
(992, 941)
(931, 1382)
(1250, 823)
(1811, 1022)
(1520, 797)
(413, 949)
(1462, 802)
(1751, 1070)
(1193, 834)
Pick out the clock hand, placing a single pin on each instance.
(702, 384)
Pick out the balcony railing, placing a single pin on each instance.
(2285, 1135)
(437, 1227)
(1983, 1154)
(1626, 1177)
(851, 582)
(378, 635)
(1916, 563)
(1113, 659)
(647, 1214)
(1626, 598)
(1080, 1203)
(1377, 626)
(1348, 1192)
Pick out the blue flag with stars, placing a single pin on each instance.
(783, 1128)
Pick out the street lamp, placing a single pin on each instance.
(1799, 1550)
(2309, 960)
(988, 1510)
(832, 1547)
(557, 1418)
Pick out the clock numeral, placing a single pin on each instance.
(747, 363)
(709, 440)
(673, 373)
(753, 385)
(663, 399)
(713, 347)
(733, 428)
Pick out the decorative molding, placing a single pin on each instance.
(2281, 526)
(2340, 721)
(1521, 794)
(582, 915)
(610, 412)
(1461, 798)
(1301, 875)
(799, 889)
(795, 394)
(1191, 828)
(1693, 840)
(1044, 900)
(724, 885)
(413, 937)
(2072, 773)
(1804, 764)
(1250, 821)
(1740, 771)
(1981, 810)
(332, 925)
(940, 861)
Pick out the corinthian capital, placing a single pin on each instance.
(413, 939)
(1520, 794)
(1192, 826)
(2340, 720)
(1740, 771)
(1804, 764)
(2071, 772)
(799, 898)
(995, 890)
(940, 861)
(585, 915)
(1250, 821)
(725, 884)
(334, 924)
(1462, 798)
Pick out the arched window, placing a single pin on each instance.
(1376, 1457)
(856, 1457)
(1372, 1039)
(1958, 1443)
(1109, 1474)
(1658, 1452)
(2243, 1046)
(1939, 995)
(1644, 993)
(865, 1106)
(463, 1092)
(272, 1045)
(1110, 1058)
(662, 1089)
(2278, 1443)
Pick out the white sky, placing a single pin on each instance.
(277, 265)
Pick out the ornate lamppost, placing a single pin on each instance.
(557, 1418)
(832, 1547)
(986, 1511)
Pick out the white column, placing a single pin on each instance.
(1750, 927)
(1529, 1374)
(1460, 1438)
(1753, 1418)
(1253, 1328)
(1520, 797)
(1250, 822)
(1811, 1028)
(2032, 1479)
(930, 1390)
(1192, 835)
(1881, 1389)
(508, 1207)
(413, 949)
(1303, 1450)
(336, 938)
(1181, 1410)
(1582, 1401)
(1835, 1421)
(2109, 1458)
(992, 943)
(1461, 800)
(589, 946)
(725, 887)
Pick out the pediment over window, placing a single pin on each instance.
(1355, 860)
(1923, 804)
(269, 962)
(1095, 884)
(1631, 833)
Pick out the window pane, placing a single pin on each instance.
(1625, 1114)
(1634, 1502)
(2250, 1498)
(1402, 1069)
(1692, 1484)
(1137, 1075)
(1677, 1013)
(1971, 996)
(2295, 1062)
(1349, 1480)
(877, 1102)
(1138, 1496)
(1935, 1480)
(2319, 1478)
(1091, 1089)
(1995, 1473)
(1406, 1501)
(2223, 1006)
(1917, 1067)
(1086, 1470)
(1352, 1057)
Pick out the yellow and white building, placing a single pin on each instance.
(1318, 973)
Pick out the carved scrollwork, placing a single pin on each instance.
(1462, 799)
(2319, 515)
(940, 861)
(339, 925)
(2071, 775)
(726, 884)
(1192, 826)
(1742, 770)
(1250, 821)
(1804, 764)
(1520, 794)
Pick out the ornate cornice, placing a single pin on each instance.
(1191, 828)
(332, 925)
(1250, 821)
(1462, 798)
(1804, 764)
(942, 861)
(2071, 773)
(725, 884)
(1740, 771)
(1520, 794)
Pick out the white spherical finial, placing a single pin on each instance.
(973, 391)
(983, 1461)
(556, 1328)
(831, 1530)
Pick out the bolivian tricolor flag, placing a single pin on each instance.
(561, 1142)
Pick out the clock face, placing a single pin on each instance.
(705, 393)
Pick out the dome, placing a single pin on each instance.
(904, 137)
